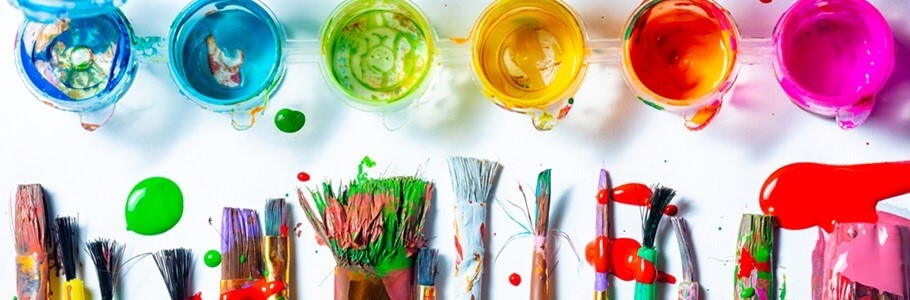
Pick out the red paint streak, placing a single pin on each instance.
(747, 264)
(303, 176)
(259, 290)
(284, 230)
(320, 241)
(458, 249)
(597, 254)
(515, 279)
(765, 1)
(671, 210)
(664, 277)
(197, 296)
(603, 196)
(632, 194)
(805, 195)
(624, 263)
(482, 231)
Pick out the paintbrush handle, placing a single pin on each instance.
(32, 276)
(540, 287)
(754, 272)
(426, 292)
(470, 217)
(277, 263)
(688, 290)
(74, 290)
(647, 291)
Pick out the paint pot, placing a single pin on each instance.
(76, 56)
(680, 56)
(379, 56)
(227, 56)
(833, 57)
(529, 57)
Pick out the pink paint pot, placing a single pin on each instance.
(833, 56)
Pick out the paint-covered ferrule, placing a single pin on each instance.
(469, 231)
(426, 292)
(277, 263)
(235, 284)
(32, 276)
(74, 290)
(646, 291)
(688, 290)
(754, 272)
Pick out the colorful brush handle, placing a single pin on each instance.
(754, 272)
(259, 289)
(32, 276)
(540, 286)
(277, 263)
(688, 290)
(426, 292)
(74, 290)
(470, 217)
(646, 291)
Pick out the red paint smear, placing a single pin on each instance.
(458, 249)
(765, 1)
(603, 196)
(620, 258)
(284, 230)
(259, 290)
(805, 195)
(632, 194)
(197, 296)
(303, 176)
(596, 253)
(747, 263)
(482, 231)
(671, 210)
(319, 241)
(515, 279)
(664, 277)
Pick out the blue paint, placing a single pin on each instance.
(49, 11)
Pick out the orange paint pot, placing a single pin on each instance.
(680, 56)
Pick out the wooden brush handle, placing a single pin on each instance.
(32, 276)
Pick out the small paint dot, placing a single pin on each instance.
(571, 101)
(765, 1)
(665, 161)
(303, 176)
(212, 258)
(515, 279)
(603, 196)
(867, 143)
(671, 210)
(265, 273)
(719, 228)
(242, 258)
(284, 230)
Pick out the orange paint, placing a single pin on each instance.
(632, 194)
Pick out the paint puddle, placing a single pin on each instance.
(154, 206)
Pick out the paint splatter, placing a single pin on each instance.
(515, 279)
(365, 164)
(259, 290)
(284, 230)
(620, 258)
(303, 176)
(212, 258)
(671, 210)
(783, 289)
(719, 228)
(289, 121)
(603, 196)
(154, 206)
(801, 195)
(597, 254)
(242, 258)
(632, 194)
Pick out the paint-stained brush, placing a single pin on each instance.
(540, 268)
(473, 181)
(106, 255)
(688, 287)
(67, 229)
(176, 267)
(754, 276)
(653, 214)
(602, 230)
(277, 245)
(426, 274)
(241, 248)
(31, 239)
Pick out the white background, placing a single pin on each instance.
(718, 171)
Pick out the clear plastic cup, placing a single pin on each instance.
(833, 56)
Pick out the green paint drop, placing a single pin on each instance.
(265, 273)
(289, 121)
(365, 163)
(242, 258)
(783, 289)
(154, 206)
(720, 228)
(571, 101)
(762, 255)
(747, 293)
(212, 258)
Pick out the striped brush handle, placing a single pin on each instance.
(688, 290)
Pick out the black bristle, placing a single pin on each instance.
(426, 266)
(660, 198)
(106, 255)
(276, 216)
(176, 266)
(67, 235)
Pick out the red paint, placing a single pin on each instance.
(319, 241)
(765, 1)
(197, 296)
(259, 290)
(603, 197)
(747, 264)
(284, 230)
(627, 266)
(597, 254)
(515, 279)
(458, 249)
(303, 176)
(482, 231)
(671, 210)
(632, 194)
(664, 277)
(805, 195)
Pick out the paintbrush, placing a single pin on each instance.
(373, 228)
(688, 287)
(426, 274)
(240, 248)
(473, 181)
(176, 266)
(277, 245)
(602, 228)
(652, 216)
(106, 255)
(754, 277)
(31, 243)
(540, 287)
(67, 230)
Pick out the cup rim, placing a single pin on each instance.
(798, 93)
(240, 103)
(333, 24)
(499, 98)
(664, 103)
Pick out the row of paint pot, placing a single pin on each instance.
(529, 56)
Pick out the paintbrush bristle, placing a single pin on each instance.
(106, 255)
(67, 230)
(242, 243)
(176, 266)
(31, 220)
(684, 238)
(473, 179)
(660, 198)
(426, 266)
(276, 217)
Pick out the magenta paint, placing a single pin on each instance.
(833, 56)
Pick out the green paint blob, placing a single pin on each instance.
(762, 255)
(783, 289)
(747, 293)
(154, 206)
(719, 228)
(212, 258)
(365, 163)
(289, 121)
(265, 273)
(242, 258)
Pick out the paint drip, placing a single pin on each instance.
(259, 290)
(289, 121)
(620, 258)
(212, 258)
(154, 206)
(803, 195)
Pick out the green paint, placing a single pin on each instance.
(365, 163)
(571, 101)
(242, 258)
(747, 293)
(154, 206)
(765, 275)
(719, 228)
(212, 258)
(762, 255)
(265, 273)
(783, 289)
(651, 104)
(289, 121)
